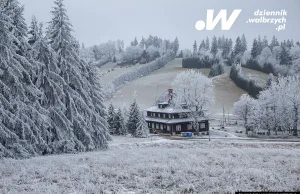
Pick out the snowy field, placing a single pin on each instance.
(160, 166)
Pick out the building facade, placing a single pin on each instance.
(163, 118)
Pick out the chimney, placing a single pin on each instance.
(170, 95)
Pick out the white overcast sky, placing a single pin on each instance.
(96, 21)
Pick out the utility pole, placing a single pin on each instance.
(223, 116)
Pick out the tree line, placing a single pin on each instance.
(145, 51)
(274, 57)
(275, 110)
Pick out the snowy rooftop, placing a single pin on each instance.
(168, 109)
(172, 121)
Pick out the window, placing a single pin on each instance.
(182, 115)
(202, 126)
(153, 126)
(158, 115)
(164, 115)
(161, 126)
(173, 116)
(189, 126)
(149, 124)
(157, 126)
(168, 128)
(170, 116)
(178, 127)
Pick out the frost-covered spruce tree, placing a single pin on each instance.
(119, 124)
(142, 130)
(82, 96)
(111, 118)
(134, 118)
(54, 99)
(125, 114)
(22, 119)
(33, 31)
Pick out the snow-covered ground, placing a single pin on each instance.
(226, 93)
(159, 166)
(149, 88)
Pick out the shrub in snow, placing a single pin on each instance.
(217, 69)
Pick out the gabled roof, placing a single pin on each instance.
(164, 100)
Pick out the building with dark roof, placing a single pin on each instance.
(162, 117)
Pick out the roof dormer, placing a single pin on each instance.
(162, 105)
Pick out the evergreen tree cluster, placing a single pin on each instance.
(50, 102)
(277, 57)
(274, 57)
(219, 45)
(142, 52)
(135, 123)
(115, 120)
(215, 50)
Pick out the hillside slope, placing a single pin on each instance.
(147, 89)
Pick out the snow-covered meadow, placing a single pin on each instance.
(160, 166)
(149, 88)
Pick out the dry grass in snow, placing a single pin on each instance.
(159, 167)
